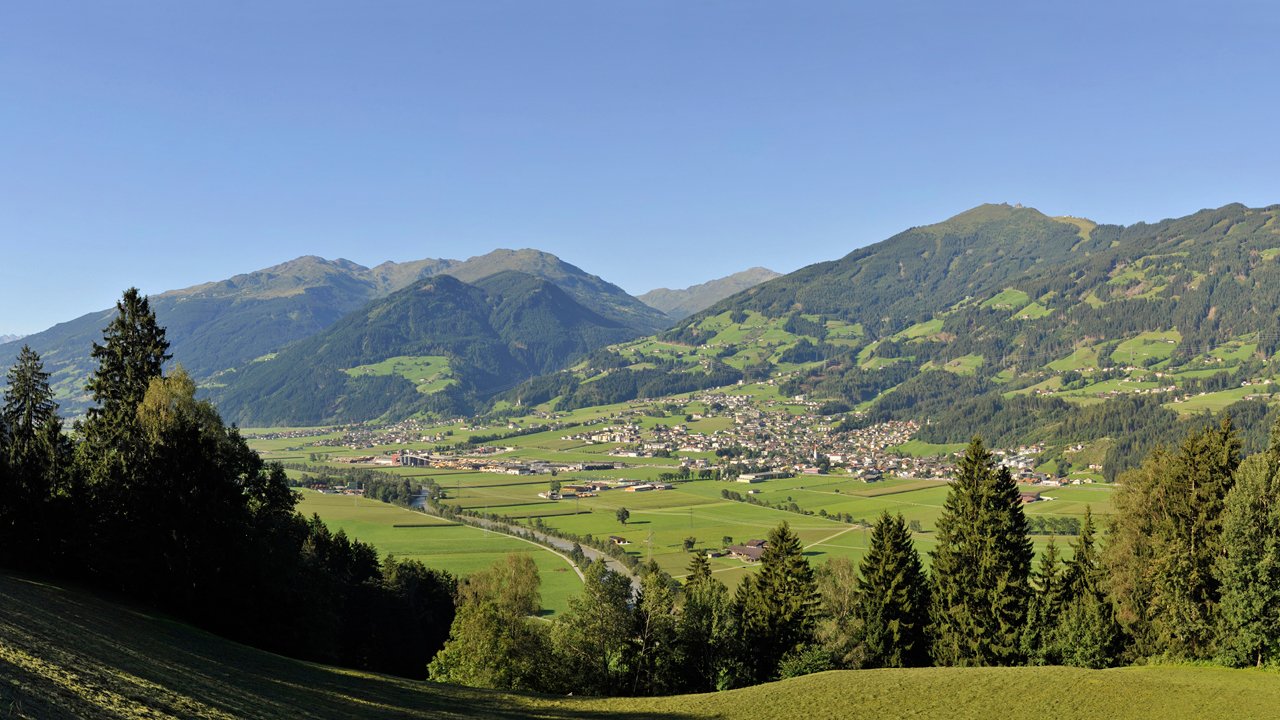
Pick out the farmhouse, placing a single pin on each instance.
(750, 552)
(619, 540)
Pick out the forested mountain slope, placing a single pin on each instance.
(1000, 321)
(437, 345)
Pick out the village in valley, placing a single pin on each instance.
(709, 472)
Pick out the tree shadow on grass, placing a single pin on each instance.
(129, 662)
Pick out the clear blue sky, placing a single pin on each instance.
(161, 144)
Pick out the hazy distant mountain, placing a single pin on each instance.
(9, 338)
(679, 304)
(216, 326)
(439, 344)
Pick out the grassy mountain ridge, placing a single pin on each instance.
(66, 653)
(215, 326)
(601, 296)
(1004, 322)
(681, 303)
(505, 327)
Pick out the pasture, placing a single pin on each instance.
(459, 549)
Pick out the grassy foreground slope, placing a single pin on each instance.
(64, 653)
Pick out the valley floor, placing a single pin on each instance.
(66, 654)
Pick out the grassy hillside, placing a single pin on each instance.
(65, 654)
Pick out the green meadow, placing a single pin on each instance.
(68, 654)
(459, 549)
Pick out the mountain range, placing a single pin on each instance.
(1001, 320)
(218, 326)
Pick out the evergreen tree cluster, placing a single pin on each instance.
(154, 498)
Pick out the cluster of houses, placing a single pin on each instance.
(764, 441)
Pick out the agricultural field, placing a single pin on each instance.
(428, 373)
(660, 520)
(1008, 299)
(66, 654)
(1147, 347)
(437, 543)
(1213, 402)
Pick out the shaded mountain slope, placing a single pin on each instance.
(485, 337)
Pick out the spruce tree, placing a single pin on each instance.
(699, 569)
(34, 455)
(1083, 571)
(981, 566)
(133, 352)
(893, 598)
(1249, 570)
(1040, 611)
(779, 607)
(1166, 541)
(28, 408)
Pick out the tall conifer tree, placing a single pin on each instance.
(1083, 571)
(779, 607)
(893, 598)
(981, 566)
(1040, 615)
(35, 456)
(1249, 570)
(1166, 542)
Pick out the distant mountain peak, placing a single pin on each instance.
(680, 303)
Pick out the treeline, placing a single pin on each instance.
(153, 497)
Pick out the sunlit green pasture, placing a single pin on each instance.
(459, 549)
(428, 373)
(1147, 345)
